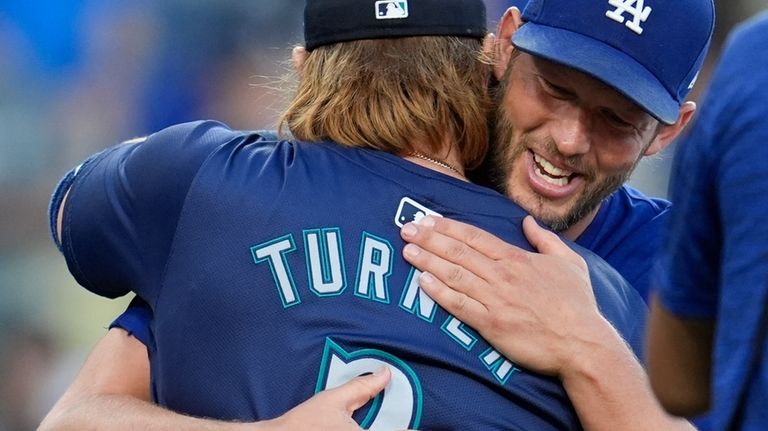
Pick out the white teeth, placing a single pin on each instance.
(551, 173)
(562, 181)
(550, 168)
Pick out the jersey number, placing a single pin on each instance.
(397, 407)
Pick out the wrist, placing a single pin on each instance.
(265, 425)
(594, 345)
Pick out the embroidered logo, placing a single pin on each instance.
(391, 9)
(411, 211)
(636, 8)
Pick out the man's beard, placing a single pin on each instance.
(505, 153)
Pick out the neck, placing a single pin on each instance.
(445, 161)
(578, 228)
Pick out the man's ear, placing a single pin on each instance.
(668, 133)
(508, 25)
(299, 55)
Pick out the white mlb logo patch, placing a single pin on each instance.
(391, 9)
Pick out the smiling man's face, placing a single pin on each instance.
(565, 141)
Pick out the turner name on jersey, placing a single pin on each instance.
(327, 277)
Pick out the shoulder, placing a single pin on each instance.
(189, 146)
(752, 33)
(638, 204)
(628, 234)
(630, 211)
(203, 133)
(623, 215)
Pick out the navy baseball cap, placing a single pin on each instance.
(332, 21)
(651, 51)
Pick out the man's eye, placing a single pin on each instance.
(616, 121)
(553, 90)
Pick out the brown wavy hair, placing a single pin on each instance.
(383, 93)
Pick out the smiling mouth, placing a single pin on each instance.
(551, 173)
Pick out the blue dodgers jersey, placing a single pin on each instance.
(628, 233)
(715, 258)
(273, 269)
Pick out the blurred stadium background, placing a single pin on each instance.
(78, 75)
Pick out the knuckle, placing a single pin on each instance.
(457, 252)
(512, 254)
(361, 385)
(473, 236)
(495, 324)
(550, 235)
(455, 275)
(504, 273)
(460, 302)
(580, 262)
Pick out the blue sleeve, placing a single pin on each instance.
(717, 235)
(688, 269)
(121, 211)
(136, 320)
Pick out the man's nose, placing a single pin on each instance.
(572, 132)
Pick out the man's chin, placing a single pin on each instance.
(557, 224)
(561, 217)
(546, 212)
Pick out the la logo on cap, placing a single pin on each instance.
(636, 8)
(391, 9)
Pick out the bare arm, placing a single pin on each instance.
(539, 310)
(679, 360)
(112, 393)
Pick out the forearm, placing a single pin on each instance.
(610, 389)
(112, 392)
(126, 413)
(679, 360)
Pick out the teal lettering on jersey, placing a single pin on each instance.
(456, 329)
(374, 268)
(274, 252)
(325, 266)
(415, 301)
(498, 365)
(398, 407)
(326, 272)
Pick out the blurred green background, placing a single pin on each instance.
(79, 75)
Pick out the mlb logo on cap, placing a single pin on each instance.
(391, 9)
(332, 21)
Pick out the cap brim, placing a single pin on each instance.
(601, 61)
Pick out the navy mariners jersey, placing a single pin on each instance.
(273, 270)
(627, 233)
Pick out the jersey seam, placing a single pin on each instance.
(172, 249)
